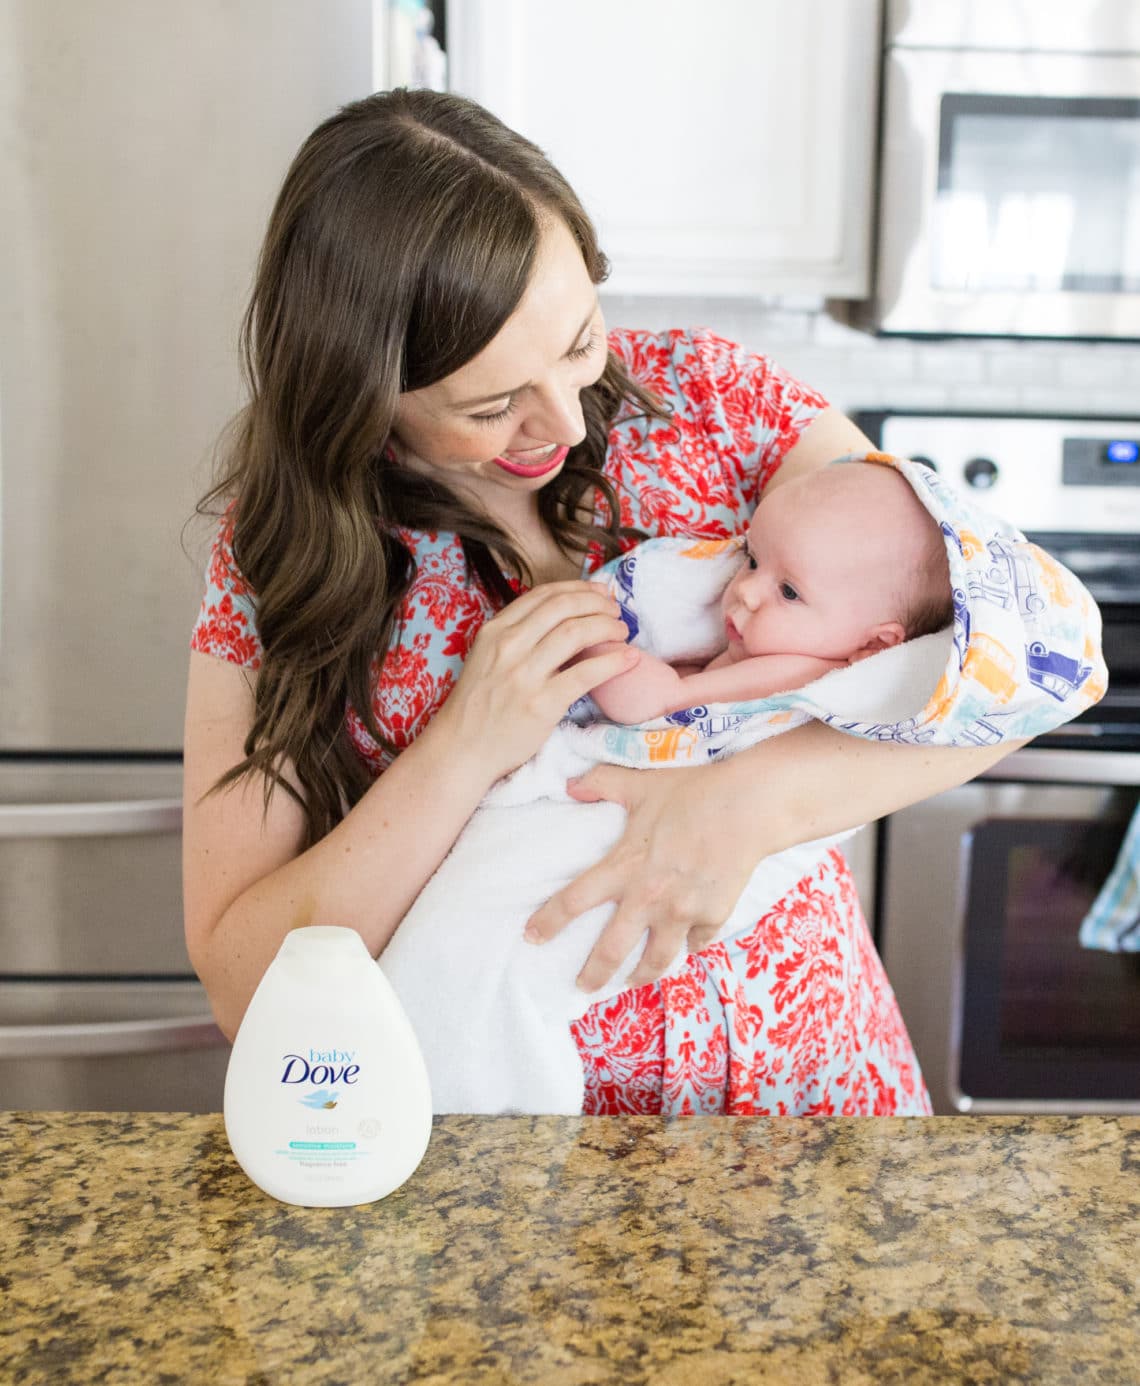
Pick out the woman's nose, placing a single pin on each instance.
(557, 417)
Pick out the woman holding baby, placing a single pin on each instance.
(441, 443)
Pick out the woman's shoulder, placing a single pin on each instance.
(689, 366)
(733, 414)
(679, 364)
(226, 626)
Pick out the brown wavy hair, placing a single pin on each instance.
(401, 241)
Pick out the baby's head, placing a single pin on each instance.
(841, 563)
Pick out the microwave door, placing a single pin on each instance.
(1010, 195)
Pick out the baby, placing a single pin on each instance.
(838, 565)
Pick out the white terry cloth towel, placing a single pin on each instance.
(491, 1012)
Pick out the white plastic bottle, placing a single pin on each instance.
(327, 1100)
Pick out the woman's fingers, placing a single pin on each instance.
(553, 602)
(592, 887)
(610, 782)
(528, 664)
(572, 636)
(555, 631)
(674, 875)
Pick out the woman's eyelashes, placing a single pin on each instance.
(499, 415)
(578, 353)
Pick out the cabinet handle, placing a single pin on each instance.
(116, 818)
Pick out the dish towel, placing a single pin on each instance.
(1113, 921)
(491, 1011)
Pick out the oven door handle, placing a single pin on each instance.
(116, 818)
(108, 1038)
(1067, 767)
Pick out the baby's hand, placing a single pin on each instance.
(641, 693)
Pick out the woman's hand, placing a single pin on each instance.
(695, 835)
(521, 676)
(677, 872)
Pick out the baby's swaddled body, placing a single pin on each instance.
(493, 1012)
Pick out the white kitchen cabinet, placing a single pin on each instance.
(725, 149)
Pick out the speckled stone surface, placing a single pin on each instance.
(596, 1250)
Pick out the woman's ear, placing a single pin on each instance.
(881, 637)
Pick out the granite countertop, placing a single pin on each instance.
(583, 1250)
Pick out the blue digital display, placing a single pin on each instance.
(1122, 451)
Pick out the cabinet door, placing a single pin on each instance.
(726, 150)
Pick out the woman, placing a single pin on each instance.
(438, 436)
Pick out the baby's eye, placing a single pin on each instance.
(751, 561)
(788, 592)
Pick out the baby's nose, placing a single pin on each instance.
(751, 591)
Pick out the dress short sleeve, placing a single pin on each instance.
(735, 415)
(227, 619)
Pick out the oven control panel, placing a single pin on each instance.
(1043, 475)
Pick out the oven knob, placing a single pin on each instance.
(925, 461)
(981, 473)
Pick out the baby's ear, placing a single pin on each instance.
(881, 637)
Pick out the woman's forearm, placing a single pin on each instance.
(365, 874)
(815, 781)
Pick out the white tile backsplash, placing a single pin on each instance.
(856, 370)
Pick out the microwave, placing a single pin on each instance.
(1010, 170)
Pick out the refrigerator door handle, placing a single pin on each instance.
(106, 1038)
(110, 819)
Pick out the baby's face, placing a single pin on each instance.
(814, 582)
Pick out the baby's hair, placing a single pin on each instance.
(925, 604)
(929, 605)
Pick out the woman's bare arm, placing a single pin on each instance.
(246, 880)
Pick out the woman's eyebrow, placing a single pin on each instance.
(518, 389)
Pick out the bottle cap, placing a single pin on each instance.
(327, 939)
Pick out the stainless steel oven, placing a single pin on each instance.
(981, 891)
(1010, 169)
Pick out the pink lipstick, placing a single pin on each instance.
(556, 458)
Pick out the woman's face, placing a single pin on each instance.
(504, 422)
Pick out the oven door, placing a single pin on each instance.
(982, 892)
(1010, 194)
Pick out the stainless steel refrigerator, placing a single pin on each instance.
(141, 145)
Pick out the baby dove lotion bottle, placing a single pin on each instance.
(326, 1100)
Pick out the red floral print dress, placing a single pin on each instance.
(794, 1016)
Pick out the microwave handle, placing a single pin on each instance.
(96, 819)
(1067, 767)
(106, 1038)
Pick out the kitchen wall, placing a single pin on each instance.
(856, 370)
